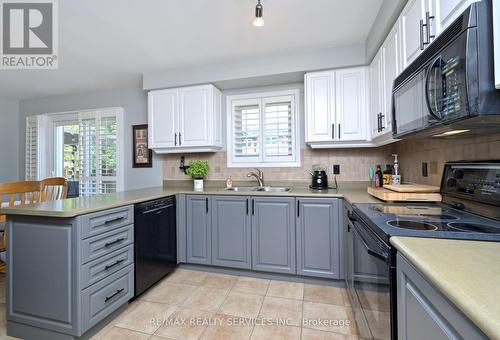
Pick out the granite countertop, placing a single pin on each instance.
(84, 205)
(466, 272)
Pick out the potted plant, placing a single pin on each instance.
(197, 170)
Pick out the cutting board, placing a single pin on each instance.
(392, 196)
(410, 187)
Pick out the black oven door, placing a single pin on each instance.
(369, 277)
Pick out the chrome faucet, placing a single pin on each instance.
(259, 176)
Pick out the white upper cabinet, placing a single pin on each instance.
(412, 32)
(376, 95)
(391, 61)
(449, 10)
(337, 112)
(351, 108)
(320, 106)
(186, 119)
(163, 106)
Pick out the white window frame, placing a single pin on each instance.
(46, 123)
(261, 98)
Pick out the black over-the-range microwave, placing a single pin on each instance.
(450, 88)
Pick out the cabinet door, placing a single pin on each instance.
(162, 118)
(390, 67)
(273, 234)
(411, 30)
(318, 238)
(231, 233)
(424, 313)
(196, 109)
(376, 94)
(198, 230)
(320, 106)
(448, 11)
(351, 108)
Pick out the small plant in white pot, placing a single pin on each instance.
(197, 170)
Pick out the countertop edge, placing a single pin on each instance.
(469, 308)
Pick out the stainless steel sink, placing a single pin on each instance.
(243, 189)
(274, 189)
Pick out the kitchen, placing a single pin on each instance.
(325, 186)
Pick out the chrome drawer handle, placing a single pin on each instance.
(114, 220)
(113, 265)
(118, 240)
(113, 295)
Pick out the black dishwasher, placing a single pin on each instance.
(155, 242)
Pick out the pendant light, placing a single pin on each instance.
(259, 10)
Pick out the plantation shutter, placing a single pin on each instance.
(88, 152)
(278, 129)
(32, 144)
(246, 130)
(98, 152)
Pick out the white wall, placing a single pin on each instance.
(9, 141)
(134, 103)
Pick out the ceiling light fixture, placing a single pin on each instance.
(259, 10)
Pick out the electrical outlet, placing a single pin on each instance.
(336, 169)
(425, 172)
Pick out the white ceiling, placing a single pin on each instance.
(106, 44)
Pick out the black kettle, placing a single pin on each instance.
(319, 179)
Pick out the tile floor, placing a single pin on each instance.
(199, 305)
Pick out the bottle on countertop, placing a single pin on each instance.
(378, 177)
(229, 183)
(396, 176)
(387, 174)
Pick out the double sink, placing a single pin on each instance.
(259, 189)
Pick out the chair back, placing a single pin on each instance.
(21, 193)
(55, 188)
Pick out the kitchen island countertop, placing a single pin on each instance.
(466, 272)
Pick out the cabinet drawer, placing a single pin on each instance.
(103, 221)
(104, 244)
(106, 296)
(101, 268)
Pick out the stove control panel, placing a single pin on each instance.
(478, 181)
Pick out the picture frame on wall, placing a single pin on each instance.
(142, 154)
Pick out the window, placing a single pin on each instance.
(263, 129)
(82, 147)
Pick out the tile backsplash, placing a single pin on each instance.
(435, 152)
(355, 163)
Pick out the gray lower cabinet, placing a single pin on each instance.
(231, 232)
(67, 275)
(424, 313)
(198, 229)
(273, 234)
(318, 237)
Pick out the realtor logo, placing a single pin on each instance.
(29, 34)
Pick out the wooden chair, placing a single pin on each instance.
(19, 193)
(53, 189)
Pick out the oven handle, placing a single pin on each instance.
(368, 249)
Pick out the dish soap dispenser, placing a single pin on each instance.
(229, 183)
(396, 176)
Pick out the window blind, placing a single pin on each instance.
(31, 152)
(247, 134)
(98, 153)
(278, 129)
(263, 130)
